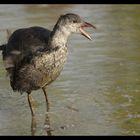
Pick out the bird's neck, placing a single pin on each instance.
(59, 37)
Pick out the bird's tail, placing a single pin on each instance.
(2, 47)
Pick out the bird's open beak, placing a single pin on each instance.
(83, 32)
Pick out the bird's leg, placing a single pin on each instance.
(47, 120)
(33, 123)
(47, 102)
(30, 104)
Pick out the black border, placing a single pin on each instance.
(69, 2)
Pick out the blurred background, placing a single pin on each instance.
(98, 92)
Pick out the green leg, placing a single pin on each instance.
(47, 102)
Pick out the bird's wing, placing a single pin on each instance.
(23, 42)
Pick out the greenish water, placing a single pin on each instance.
(98, 92)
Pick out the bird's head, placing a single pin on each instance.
(72, 23)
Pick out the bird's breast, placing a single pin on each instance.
(51, 65)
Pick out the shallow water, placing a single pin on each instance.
(98, 91)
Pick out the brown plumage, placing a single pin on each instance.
(35, 56)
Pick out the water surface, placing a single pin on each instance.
(98, 91)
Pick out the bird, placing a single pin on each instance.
(35, 56)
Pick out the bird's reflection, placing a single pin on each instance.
(47, 126)
(33, 126)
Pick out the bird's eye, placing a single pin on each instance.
(74, 21)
